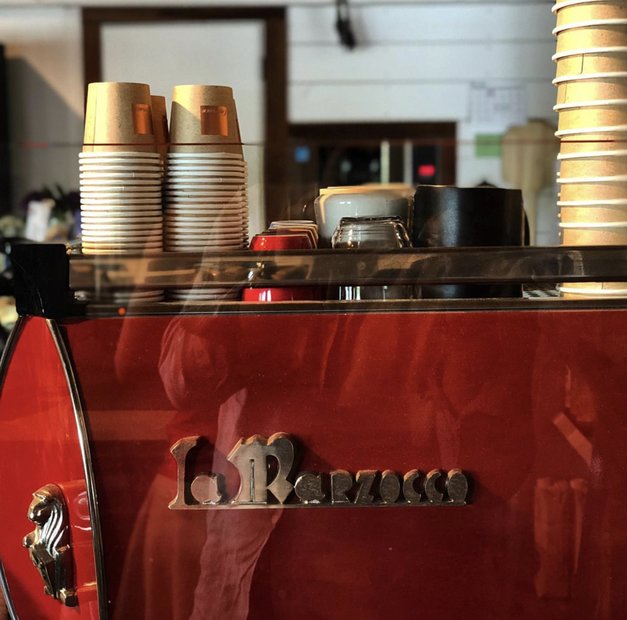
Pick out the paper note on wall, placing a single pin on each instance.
(497, 104)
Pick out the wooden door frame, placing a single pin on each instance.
(275, 73)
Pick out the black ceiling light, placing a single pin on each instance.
(343, 24)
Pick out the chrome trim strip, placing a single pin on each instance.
(4, 587)
(7, 352)
(489, 265)
(83, 439)
(4, 365)
(415, 306)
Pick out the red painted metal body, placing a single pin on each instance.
(531, 404)
(40, 445)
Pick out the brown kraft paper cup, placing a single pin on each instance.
(595, 214)
(595, 286)
(592, 143)
(592, 62)
(598, 166)
(594, 190)
(591, 36)
(593, 117)
(586, 11)
(592, 89)
(118, 117)
(204, 119)
(594, 236)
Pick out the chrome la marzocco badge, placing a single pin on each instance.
(262, 486)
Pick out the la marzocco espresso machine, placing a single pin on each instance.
(428, 458)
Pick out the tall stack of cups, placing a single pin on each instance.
(120, 175)
(591, 82)
(206, 182)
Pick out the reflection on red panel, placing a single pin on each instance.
(39, 445)
(529, 404)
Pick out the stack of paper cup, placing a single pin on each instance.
(120, 176)
(591, 80)
(206, 180)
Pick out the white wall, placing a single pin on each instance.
(44, 51)
(416, 61)
(420, 63)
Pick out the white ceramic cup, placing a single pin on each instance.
(361, 201)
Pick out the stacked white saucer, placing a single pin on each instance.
(206, 202)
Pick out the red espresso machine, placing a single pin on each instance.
(381, 459)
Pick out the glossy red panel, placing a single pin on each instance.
(39, 444)
(530, 404)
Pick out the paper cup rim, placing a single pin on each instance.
(116, 168)
(227, 163)
(195, 215)
(600, 75)
(237, 204)
(591, 155)
(130, 162)
(85, 177)
(124, 182)
(230, 165)
(137, 232)
(213, 177)
(617, 178)
(206, 155)
(121, 221)
(95, 241)
(591, 130)
(116, 201)
(590, 23)
(593, 225)
(610, 202)
(567, 3)
(591, 292)
(176, 173)
(123, 216)
(203, 247)
(183, 234)
(600, 103)
(616, 49)
(176, 204)
(232, 233)
(119, 154)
